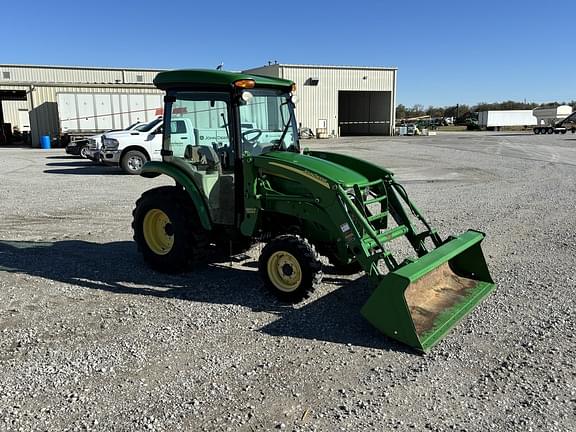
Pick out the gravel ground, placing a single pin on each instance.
(93, 340)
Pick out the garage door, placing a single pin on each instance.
(364, 112)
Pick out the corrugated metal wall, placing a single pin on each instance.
(53, 74)
(44, 108)
(43, 83)
(320, 102)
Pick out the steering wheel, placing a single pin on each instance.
(254, 139)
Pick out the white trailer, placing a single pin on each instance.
(554, 120)
(85, 114)
(495, 119)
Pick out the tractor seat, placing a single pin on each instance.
(203, 157)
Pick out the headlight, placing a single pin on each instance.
(110, 143)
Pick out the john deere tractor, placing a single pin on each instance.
(231, 145)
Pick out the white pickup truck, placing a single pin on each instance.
(132, 149)
(92, 150)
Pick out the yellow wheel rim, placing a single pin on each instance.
(158, 232)
(284, 271)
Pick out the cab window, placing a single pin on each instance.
(200, 119)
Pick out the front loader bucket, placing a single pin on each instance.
(421, 301)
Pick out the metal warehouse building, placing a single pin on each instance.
(334, 100)
(343, 100)
(28, 94)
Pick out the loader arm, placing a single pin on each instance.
(417, 299)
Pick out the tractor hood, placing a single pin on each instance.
(312, 167)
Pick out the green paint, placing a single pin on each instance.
(186, 181)
(322, 168)
(212, 78)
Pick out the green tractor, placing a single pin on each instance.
(231, 145)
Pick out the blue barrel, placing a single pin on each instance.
(45, 142)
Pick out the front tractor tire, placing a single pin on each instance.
(167, 230)
(290, 268)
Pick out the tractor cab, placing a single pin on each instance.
(220, 119)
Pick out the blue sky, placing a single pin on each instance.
(447, 52)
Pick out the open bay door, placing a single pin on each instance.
(364, 112)
(6, 128)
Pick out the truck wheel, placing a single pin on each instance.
(84, 151)
(290, 267)
(167, 230)
(536, 131)
(133, 162)
(550, 130)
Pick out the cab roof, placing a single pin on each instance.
(212, 78)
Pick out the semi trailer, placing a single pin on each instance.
(82, 115)
(503, 118)
(554, 120)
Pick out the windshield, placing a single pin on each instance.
(268, 123)
(148, 126)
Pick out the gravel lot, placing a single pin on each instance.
(90, 339)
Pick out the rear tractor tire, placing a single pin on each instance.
(167, 230)
(133, 162)
(290, 267)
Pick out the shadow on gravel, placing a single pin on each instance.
(81, 167)
(65, 157)
(77, 163)
(116, 267)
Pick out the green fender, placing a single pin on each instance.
(154, 169)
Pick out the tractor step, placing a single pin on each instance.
(377, 216)
(385, 236)
(375, 200)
